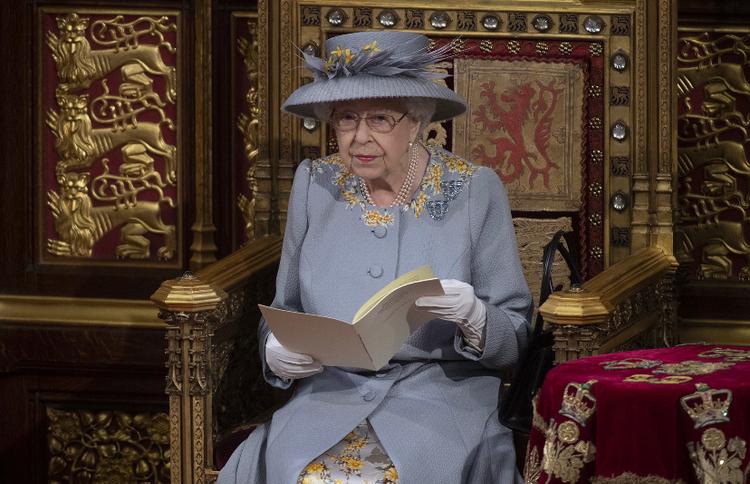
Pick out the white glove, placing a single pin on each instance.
(461, 306)
(288, 364)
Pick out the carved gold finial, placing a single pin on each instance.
(188, 294)
(578, 402)
(707, 406)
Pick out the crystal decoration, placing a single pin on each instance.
(595, 219)
(388, 18)
(542, 23)
(593, 24)
(440, 20)
(619, 131)
(619, 201)
(310, 48)
(310, 124)
(336, 17)
(490, 22)
(619, 62)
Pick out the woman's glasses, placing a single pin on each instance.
(379, 123)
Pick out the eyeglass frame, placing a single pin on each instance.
(393, 124)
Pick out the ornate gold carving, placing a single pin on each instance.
(175, 443)
(517, 22)
(564, 455)
(249, 125)
(716, 460)
(514, 109)
(78, 222)
(311, 16)
(108, 446)
(78, 65)
(414, 19)
(619, 95)
(568, 23)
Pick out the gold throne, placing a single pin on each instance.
(571, 102)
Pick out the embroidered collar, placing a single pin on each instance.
(446, 175)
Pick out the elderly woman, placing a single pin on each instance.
(382, 206)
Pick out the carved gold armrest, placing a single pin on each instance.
(194, 306)
(630, 304)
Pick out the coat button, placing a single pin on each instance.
(369, 396)
(375, 271)
(380, 231)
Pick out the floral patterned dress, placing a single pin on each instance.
(358, 457)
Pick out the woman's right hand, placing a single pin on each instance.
(288, 364)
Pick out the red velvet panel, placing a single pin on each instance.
(640, 429)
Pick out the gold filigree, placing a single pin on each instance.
(249, 125)
(691, 367)
(728, 354)
(578, 403)
(108, 446)
(532, 467)
(718, 460)
(630, 364)
(667, 380)
(630, 478)
(537, 421)
(565, 460)
(707, 406)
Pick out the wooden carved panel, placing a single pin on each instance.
(107, 446)
(108, 138)
(711, 235)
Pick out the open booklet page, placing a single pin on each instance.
(379, 329)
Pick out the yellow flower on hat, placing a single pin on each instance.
(371, 47)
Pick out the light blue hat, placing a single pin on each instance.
(371, 65)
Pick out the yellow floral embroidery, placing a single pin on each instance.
(419, 203)
(441, 162)
(373, 218)
(459, 165)
(390, 474)
(433, 177)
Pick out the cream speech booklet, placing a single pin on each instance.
(380, 326)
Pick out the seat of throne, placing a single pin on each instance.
(558, 108)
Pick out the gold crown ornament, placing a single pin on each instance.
(707, 406)
(578, 402)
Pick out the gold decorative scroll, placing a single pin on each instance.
(248, 124)
(525, 121)
(112, 121)
(711, 237)
(532, 235)
(107, 446)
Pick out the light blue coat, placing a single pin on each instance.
(434, 406)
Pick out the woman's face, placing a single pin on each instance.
(371, 154)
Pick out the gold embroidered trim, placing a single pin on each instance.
(565, 458)
(691, 367)
(630, 478)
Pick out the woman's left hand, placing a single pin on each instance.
(460, 305)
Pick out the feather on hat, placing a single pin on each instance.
(370, 65)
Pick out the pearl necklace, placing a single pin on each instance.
(403, 192)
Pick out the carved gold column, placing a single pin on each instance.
(629, 303)
(203, 248)
(188, 305)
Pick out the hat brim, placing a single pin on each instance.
(303, 101)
